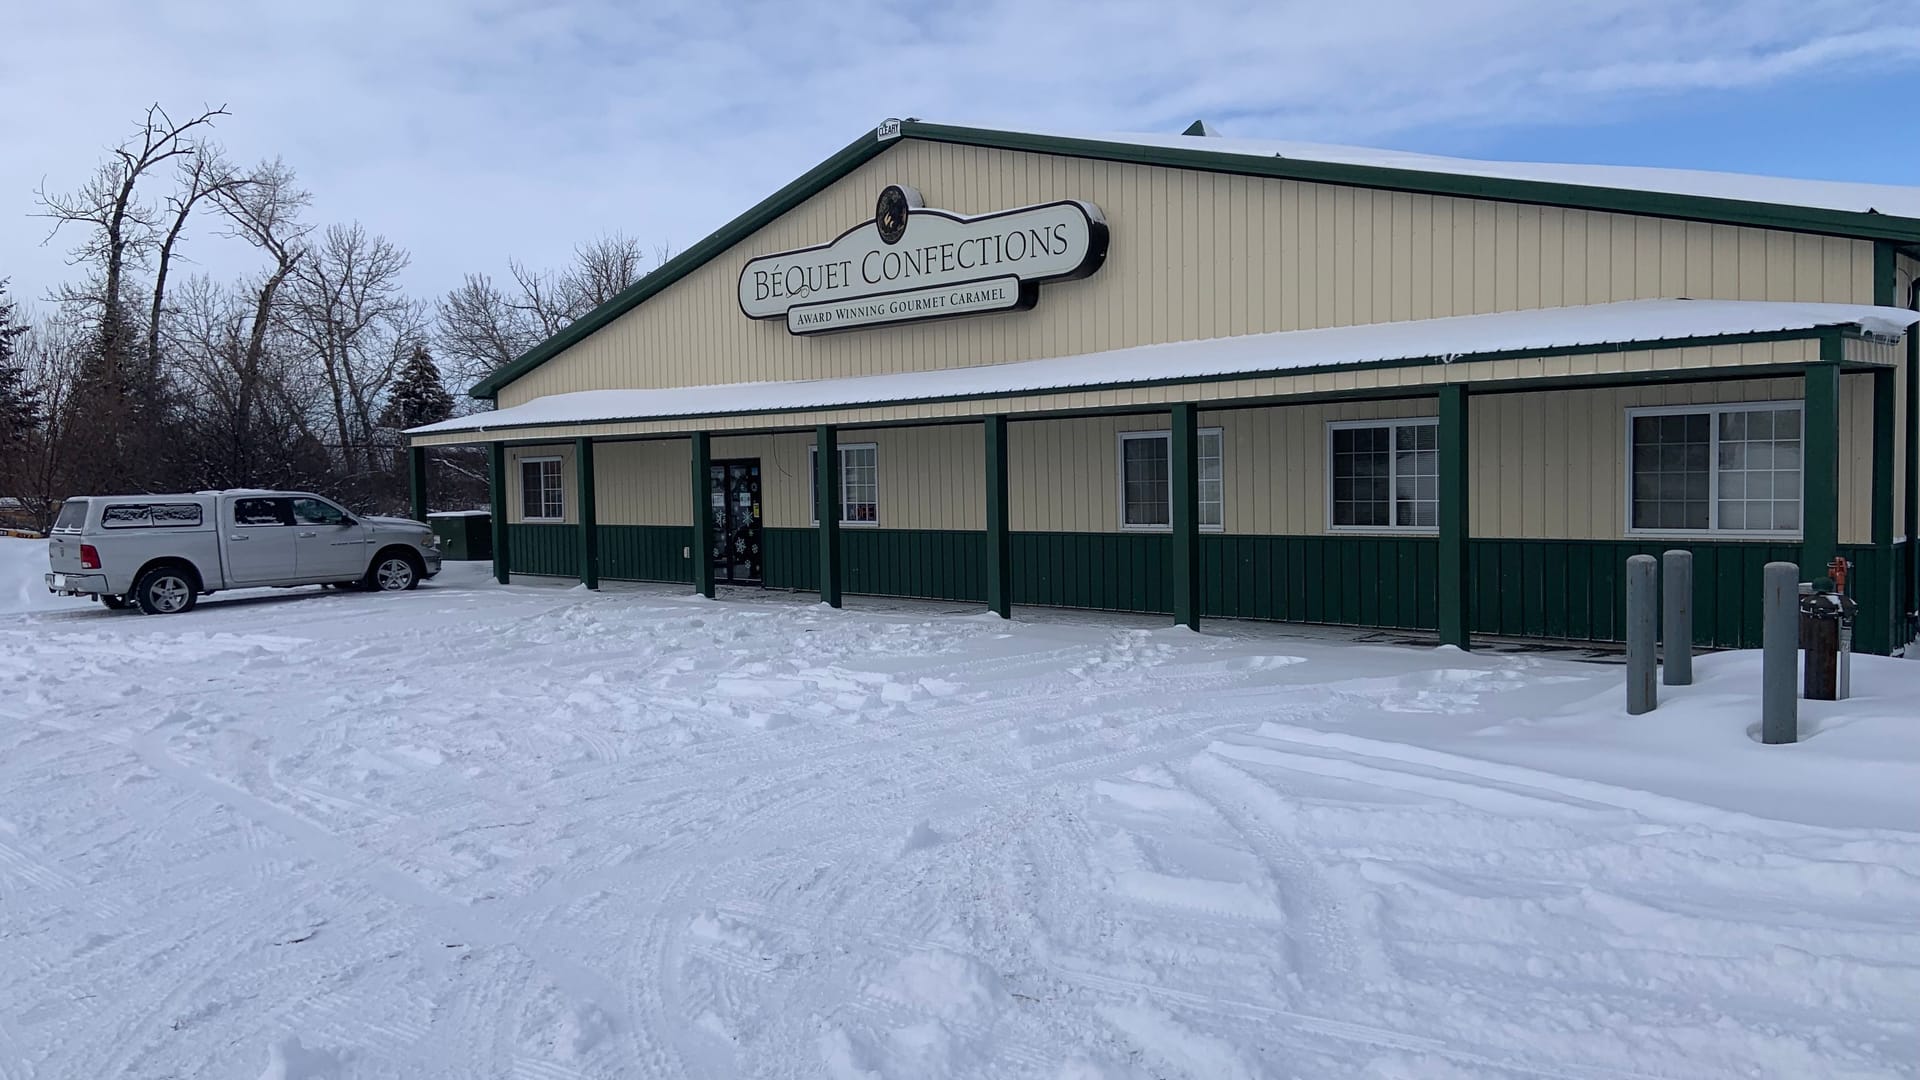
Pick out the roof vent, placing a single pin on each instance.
(1201, 128)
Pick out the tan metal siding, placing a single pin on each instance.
(643, 483)
(563, 451)
(1552, 465)
(1197, 255)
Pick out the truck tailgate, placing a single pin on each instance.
(63, 554)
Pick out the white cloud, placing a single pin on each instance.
(473, 130)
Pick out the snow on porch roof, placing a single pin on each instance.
(1597, 325)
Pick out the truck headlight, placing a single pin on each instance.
(431, 541)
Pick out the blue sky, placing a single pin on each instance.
(476, 130)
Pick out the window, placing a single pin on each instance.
(253, 512)
(859, 484)
(1146, 480)
(316, 512)
(1729, 468)
(150, 516)
(541, 497)
(1383, 475)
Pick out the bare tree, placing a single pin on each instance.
(204, 174)
(482, 326)
(346, 309)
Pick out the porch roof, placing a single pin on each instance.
(1637, 324)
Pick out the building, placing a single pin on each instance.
(1215, 377)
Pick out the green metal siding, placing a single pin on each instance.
(933, 564)
(790, 558)
(1102, 571)
(1386, 581)
(646, 552)
(1573, 589)
(543, 549)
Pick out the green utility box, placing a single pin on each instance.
(464, 534)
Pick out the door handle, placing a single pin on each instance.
(237, 537)
(306, 534)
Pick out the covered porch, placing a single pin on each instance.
(996, 484)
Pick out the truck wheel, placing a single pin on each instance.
(115, 603)
(165, 590)
(393, 572)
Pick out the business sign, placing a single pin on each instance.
(911, 263)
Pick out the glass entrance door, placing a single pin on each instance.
(736, 521)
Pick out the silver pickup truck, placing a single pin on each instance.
(163, 552)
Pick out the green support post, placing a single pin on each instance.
(826, 484)
(1911, 529)
(497, 486)
(589, 534)
(1455, 609)
(702, 550)
(1820, 455)
(417, 481)
(999, 538)
(1183, 465)
(1880, 608)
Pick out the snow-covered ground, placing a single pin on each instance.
(536, 832)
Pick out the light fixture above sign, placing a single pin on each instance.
(911, 263)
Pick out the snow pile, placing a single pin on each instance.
(23, 586)
(480, 831)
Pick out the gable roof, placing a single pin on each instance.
(1860, 211)
(1448, 339)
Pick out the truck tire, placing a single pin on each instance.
(167, 589)
(394, 570)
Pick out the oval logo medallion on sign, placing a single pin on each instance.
(912, 262)
(890, 212)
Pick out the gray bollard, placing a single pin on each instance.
(1642, 623)
(1676, 618)
(1780, 653)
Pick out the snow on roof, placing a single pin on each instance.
(1458, 335)
(1889, 199)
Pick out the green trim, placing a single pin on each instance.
(1623, 378)
(1885, 284)
(701, 554)
(999, 538)
(588, 532)
(646, 553)
(827, 509)
(549, 550)
(417, 481)
(926, 564)
(1820, 499)
(1202, 157)
(1858, 225)
(497, 498)
(1455, 598)
(804, 187)
(1880, 605)
(1183, 464)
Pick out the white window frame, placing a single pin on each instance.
(529, 518)
(1714, 411)
(1120, 478)
(813, 485)
(1393, 465)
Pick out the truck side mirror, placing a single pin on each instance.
(347, 521)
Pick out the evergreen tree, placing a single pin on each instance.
(19, 405)
(418, 396)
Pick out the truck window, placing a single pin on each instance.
(150, 516)
(262, 512)
(73, 516)
(315, 512)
